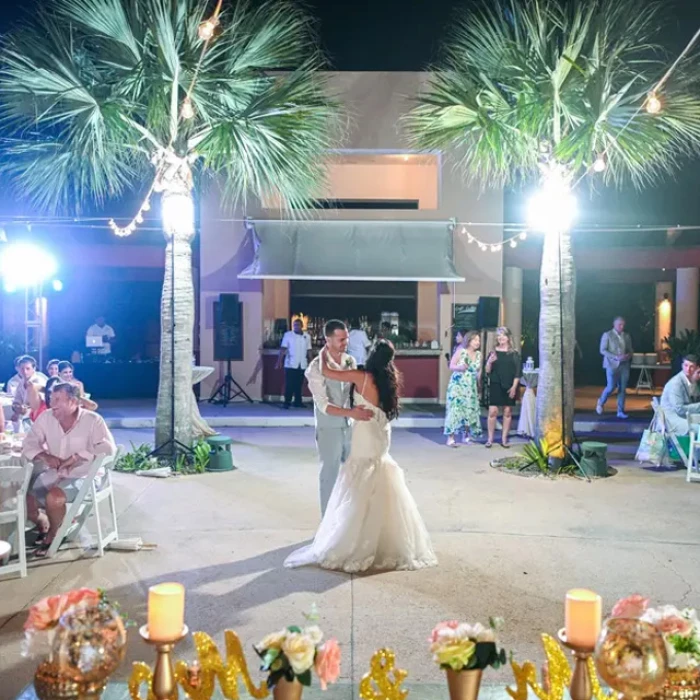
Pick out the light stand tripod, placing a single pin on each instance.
(172, 447)
(228, 390)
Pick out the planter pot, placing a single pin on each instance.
(680, 685)
(284, 690)
(464, 685)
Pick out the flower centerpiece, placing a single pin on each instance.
(83, 637)
(680, 630)
(463, 651)
(290, 655)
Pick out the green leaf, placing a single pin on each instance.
(305, 678)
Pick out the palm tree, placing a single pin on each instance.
(558, 90)
(101, 96)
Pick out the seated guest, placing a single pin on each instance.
(62, 444)
(29, 375)
(15, 380)
(52, 368)
(38, 400)
(679, 398)
(66, 373)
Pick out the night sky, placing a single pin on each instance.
(395, 35)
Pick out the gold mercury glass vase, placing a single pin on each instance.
(464, 685)
(287, 690)
(680, 684)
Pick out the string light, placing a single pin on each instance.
(511, 241)
(513, 244)
(522, 236)
(187, 110)
(653, 104)
(207, 28)
(599, 164)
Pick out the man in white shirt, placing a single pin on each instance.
(62, 444)
(679, 398)
(106, 333)
(295, 352)
(358, 344)
(28, 375)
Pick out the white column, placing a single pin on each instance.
(513, 302)
(687, 286)
(662, 314)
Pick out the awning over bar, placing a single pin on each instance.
(409, 251)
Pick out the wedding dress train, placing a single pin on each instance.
(372, 521)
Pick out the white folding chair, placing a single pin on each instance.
(87, 501)
(17, 516)
(693, 470)
(660, 416)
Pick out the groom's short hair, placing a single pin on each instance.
(332, 326)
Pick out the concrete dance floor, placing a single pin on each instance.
(507, 545)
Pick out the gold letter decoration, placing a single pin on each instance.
(378, 683)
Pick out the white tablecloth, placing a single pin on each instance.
(201, 428)
(526, 421)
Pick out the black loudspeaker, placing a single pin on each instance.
(487, 312)
(228, 328)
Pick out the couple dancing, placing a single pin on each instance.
(370, 520)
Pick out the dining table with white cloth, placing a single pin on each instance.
(528, 408)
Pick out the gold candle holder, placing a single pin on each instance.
(581, 687)
(164, 685)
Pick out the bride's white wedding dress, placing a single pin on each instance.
(372, 521)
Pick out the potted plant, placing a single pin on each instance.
(463, 651)
(290, 655)
(686, 343)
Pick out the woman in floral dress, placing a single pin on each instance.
(463, 414)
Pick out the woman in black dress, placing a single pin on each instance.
(503, 369)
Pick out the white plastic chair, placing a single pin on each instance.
(18, 517)
(87, 502)
(693, 470)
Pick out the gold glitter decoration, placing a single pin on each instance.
(559, 676)
(680, 685)
(211, 668)
(378, 684)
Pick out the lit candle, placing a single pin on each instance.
(166, 611)
(583, 615)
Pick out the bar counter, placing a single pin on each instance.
(420, 368)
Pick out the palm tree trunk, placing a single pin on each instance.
(177, 323)
(555, 417)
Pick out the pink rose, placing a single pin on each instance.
(47, 612)
(327, 663)
(674, 625)
(440, 627)
(633, 607)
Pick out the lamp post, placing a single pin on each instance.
(552, 211)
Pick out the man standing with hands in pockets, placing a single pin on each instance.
(332, 408)
(616, 349)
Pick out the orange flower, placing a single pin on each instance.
(327, 663)
(47, 612)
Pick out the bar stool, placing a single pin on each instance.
(220, 456)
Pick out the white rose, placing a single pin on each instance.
(300, 652)
(486, 635)
(314, 633)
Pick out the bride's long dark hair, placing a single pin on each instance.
(380, 364)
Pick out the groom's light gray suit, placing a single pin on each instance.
(332, 432)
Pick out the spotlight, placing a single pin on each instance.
(26, 265)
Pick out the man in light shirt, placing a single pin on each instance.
(679, 398)
(62, 444)
(295, 353)
(616, 349)
(358, 344)
(333, 409)
(28, 375)
(106, 333)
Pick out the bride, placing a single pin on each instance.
(372, 521)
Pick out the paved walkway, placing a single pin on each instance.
(507, 546)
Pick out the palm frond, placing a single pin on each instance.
(517, 74)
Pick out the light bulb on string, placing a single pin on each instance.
(146, 206)
(522, 236)
(139, 218)
(470, 238)
(187, 110)
(482, 246)
(207, 28)
(464, 230)
(653, 103)
(513, 244)
(599, 164)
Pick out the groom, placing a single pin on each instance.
(332, 408)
